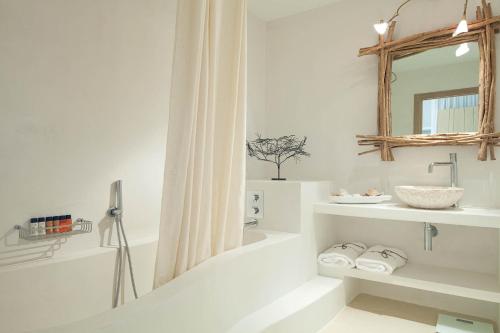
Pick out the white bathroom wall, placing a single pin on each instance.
(318, 87)
(256, 88)
(84, 101)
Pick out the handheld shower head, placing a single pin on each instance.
(117, 213)
(119, 198)
(117, 210)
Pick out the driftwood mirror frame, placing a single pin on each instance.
(481, 31)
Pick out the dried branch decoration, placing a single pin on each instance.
(481, 31)
(277, 150)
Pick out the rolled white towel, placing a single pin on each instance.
(342, 255)
(381, 259)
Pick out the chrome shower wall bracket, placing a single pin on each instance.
(430, 231)
(115, 212)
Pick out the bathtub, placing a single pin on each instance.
(72, 292)
(252, 236)
(69, 286)
(211, 294)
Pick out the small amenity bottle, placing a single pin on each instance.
(65, 223)
(49, 223)
(69, 223)
(33, 227)
(57, 223)
(41, 225)
(62, 224)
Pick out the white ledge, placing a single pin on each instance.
(465, 216)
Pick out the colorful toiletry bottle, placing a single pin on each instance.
(41, 226)
(57, 223)
(49, 223)
(33, 227)
(69, 223)
(62, 224)
(65, 224)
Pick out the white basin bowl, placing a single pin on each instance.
(429, 197)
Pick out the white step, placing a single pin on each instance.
(305, 309)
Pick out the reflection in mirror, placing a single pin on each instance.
(435, 92)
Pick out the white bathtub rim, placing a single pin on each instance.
(139, 241)
(113, 318)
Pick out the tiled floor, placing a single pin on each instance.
(369, 314)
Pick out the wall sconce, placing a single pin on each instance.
(462, 28)
(381, 27)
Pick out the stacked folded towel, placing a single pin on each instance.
(381, 259)
(342, 255)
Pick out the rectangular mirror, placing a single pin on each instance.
(436, 92)
(436, 88)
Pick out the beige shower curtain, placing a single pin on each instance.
(203, 194)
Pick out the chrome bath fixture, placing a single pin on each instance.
(453, 163)
(453, 168)
(430, 232)
(116, 212)
(251, 223)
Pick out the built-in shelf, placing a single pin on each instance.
(455, 282)
(475, 217)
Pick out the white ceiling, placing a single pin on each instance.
(269, 10)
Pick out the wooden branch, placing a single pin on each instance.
(417, 38)
(432, 44)
(462, 139)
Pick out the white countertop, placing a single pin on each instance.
(466, 216)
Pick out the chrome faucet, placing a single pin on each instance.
(453, 163)
(251, 223)
(453, 168)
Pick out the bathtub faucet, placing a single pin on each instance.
(251, 223)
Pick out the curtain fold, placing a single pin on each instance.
(203, 191)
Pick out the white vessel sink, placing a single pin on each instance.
(429, 197)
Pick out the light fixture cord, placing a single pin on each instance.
(465, 8)
(397, 11)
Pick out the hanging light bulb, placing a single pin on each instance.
(462, 26)
(381, 27)
(462, 49)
